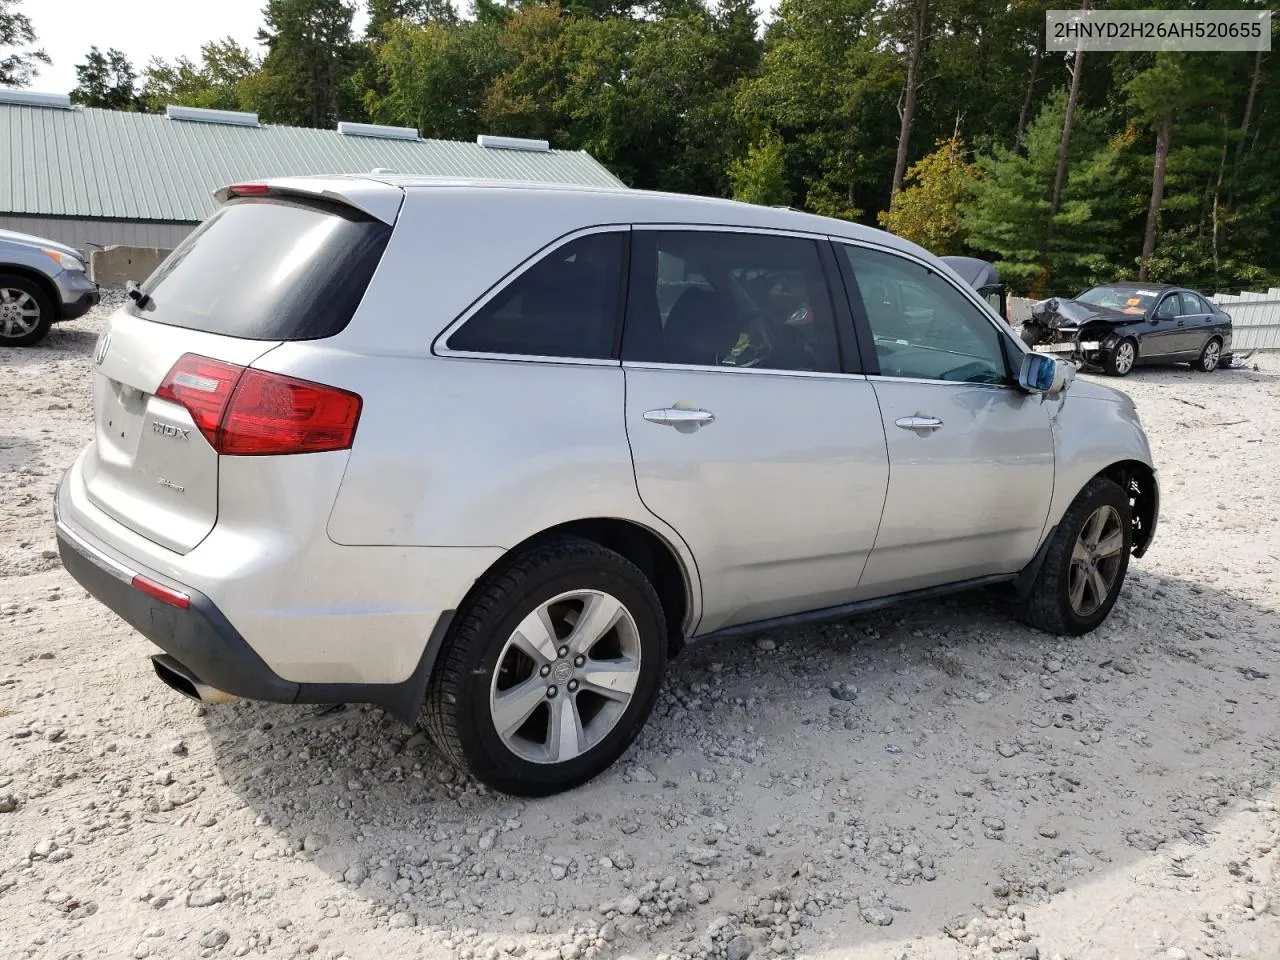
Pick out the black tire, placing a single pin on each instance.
(1113, 362)
(1210, 356)
(1048, 606)
(14, 282)
(458, 715)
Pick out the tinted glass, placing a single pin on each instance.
(1169, 308)
(1192, 304)
(268, 269)
(1122, 299)
(705, 298)
(565, 305)
(921, 325)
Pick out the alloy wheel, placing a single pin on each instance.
(19, 313)
(565, 676)
(1212, 353)
(1124, 358)
(1095, 560)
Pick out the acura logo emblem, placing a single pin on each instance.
(103, 346)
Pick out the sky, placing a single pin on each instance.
(66, 29)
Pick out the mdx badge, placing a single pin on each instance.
(169, 430)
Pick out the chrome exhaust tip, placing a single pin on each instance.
(175, 675)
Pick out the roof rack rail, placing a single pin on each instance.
(235, 118)
(349, 129)
(33, 98)
(513, 143)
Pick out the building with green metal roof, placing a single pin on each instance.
(92, 178)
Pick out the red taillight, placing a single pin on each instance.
(271, 414)
(203, 386)
(244, 412)
(161, 592)
(248, 189)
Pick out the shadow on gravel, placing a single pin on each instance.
(978, 762)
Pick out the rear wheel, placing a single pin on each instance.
(1086, 563)
(551, 669)
(1121, 358)
(26, 313)
(1210, 357)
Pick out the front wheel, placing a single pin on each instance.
(551, 669)
(1210, 357)
(26, 312)
(1085, 566)
(1121, 358)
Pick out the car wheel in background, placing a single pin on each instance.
(550, 670)
(26, 313)
(1086, 562)
(1121, 358)
(1210, 357)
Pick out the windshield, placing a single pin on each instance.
(1121, 299)
(268, 268)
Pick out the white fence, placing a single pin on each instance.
(1255, 318)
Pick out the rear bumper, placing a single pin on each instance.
(203, 641)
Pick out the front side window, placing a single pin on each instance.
(1169, 308)
(922, 326)
(565, 305)
(734, 300)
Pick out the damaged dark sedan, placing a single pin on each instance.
(1117, 326)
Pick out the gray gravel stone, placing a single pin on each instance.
(739, 948)
(205, 897)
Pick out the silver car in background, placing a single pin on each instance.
(502, 450)
(41, 283)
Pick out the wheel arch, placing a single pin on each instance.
(40, 280)
(1138, 480)
(659, 560)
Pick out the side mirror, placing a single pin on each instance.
(1044, 374)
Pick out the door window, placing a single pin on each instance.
(565, 305)
(1169, 308)
(1193, 305)
(921, 325)
(733, 300)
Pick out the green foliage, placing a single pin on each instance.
(760, 176)
(310, 57)
(686, 95)
(18, 59)
(927, 210)
(105, 80)
(217, 82)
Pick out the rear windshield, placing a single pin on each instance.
(268, 268)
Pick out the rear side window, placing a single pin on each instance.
(729, 299)
(565, 305)
(268, 268)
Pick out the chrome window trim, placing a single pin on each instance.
(440, 345)
(704, 368)
(998, 323)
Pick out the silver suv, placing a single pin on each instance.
(41, 283)
(503, 450)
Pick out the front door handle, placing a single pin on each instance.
(676, 417)
(919, 423)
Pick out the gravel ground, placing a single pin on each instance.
(930, 782)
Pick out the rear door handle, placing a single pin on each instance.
(919, 423)
(675, 417)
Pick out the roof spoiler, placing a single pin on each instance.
(373, 198)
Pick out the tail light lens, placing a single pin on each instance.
(245, 412)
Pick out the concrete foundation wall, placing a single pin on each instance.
(89, 235)
(116, 265)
